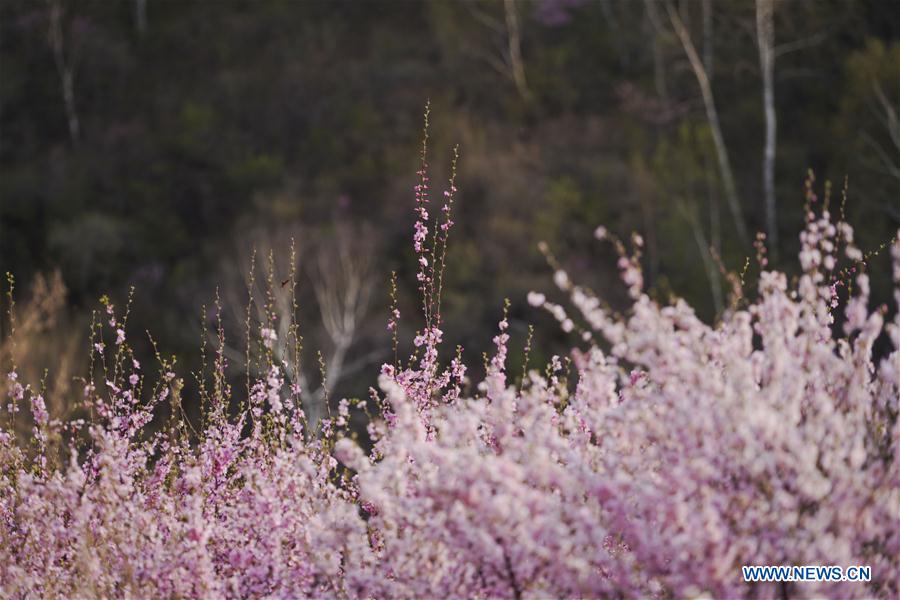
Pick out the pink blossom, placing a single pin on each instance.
(536, 299)
(651, 460)
(269, 336)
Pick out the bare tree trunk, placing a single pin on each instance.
(765, 32)
(140, 16)
(715, 220)
(68, 86)
(712, 117)
(341, 277)
(712, 272)
(893, 127)
(708, 38)
(64, 68)
(514, 38)
(659, 69)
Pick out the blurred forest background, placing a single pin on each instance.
(154, 143)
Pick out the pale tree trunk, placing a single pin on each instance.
(893, 129)
(715, 222)
(659, 68)
(65, 68)
(708, 38)
(712, 117)
(765, 33)
(140, 16)
(709, 265)
(514, 39)
(887, 158)
(341, 276)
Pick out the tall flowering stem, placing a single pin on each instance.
(441, 237)
(425, 273)
(394, 319)
(424, 381)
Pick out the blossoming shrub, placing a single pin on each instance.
(684, 452)
(666, 455)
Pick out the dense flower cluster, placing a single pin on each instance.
(658, 458)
